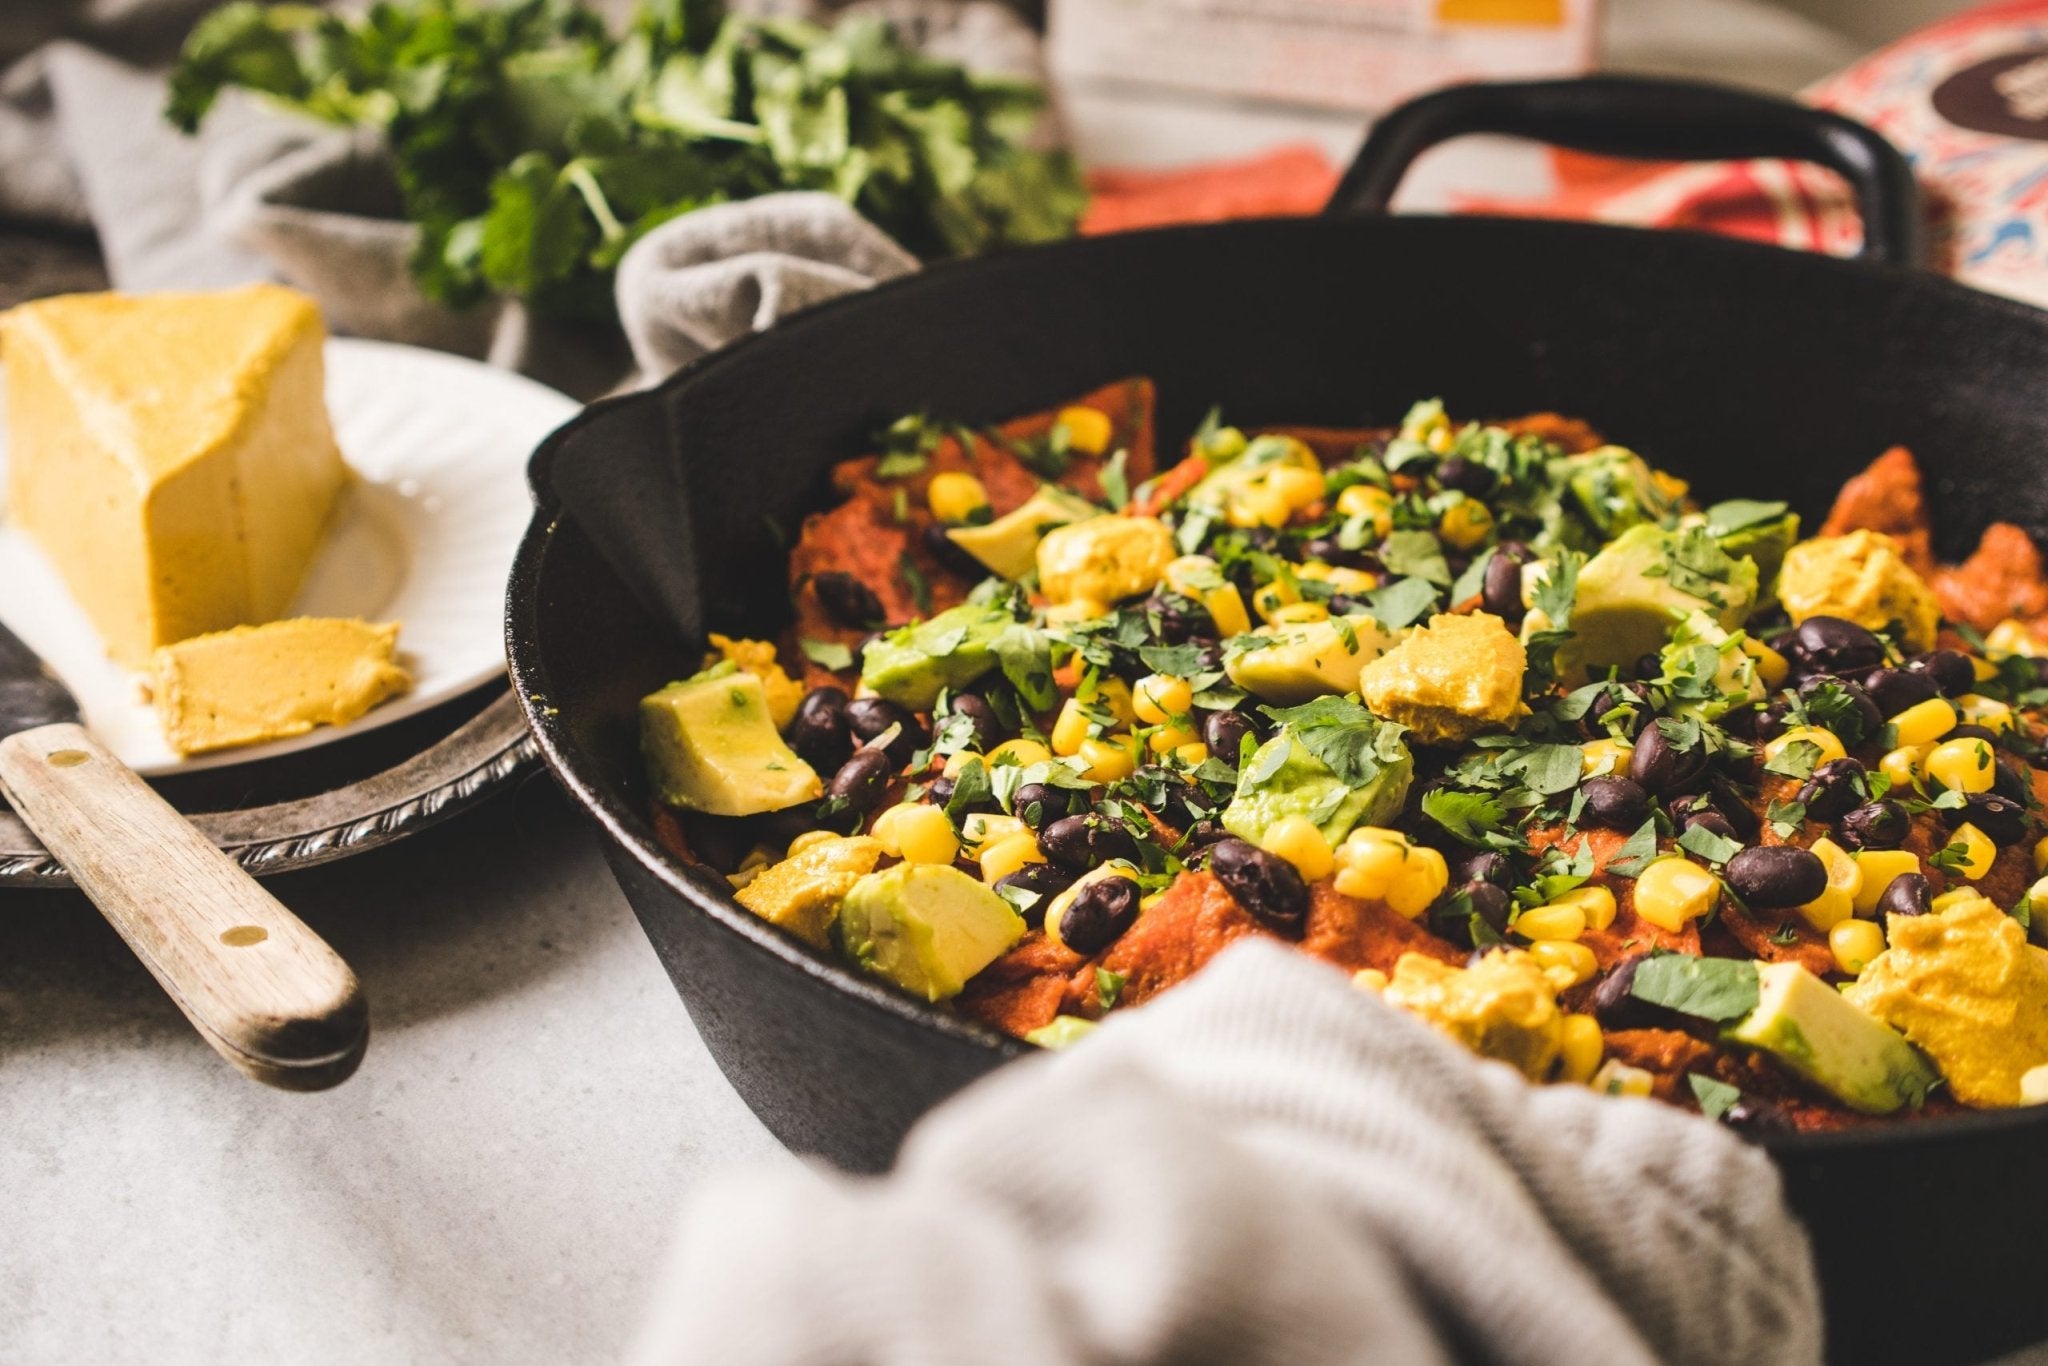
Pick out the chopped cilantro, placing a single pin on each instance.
(1786, 817)
(1351, 742)
(1402, 602)
(1548, 769)
(1716, 1098)
(1025, 656)
(1951, 858)
(1116, 485)
(971, 787)
(1636, 854)
(1737, 514)
(1796, 760)
(1708, 988)
(1108, 987)
(920, 590)
(1714, 848)
(1471, 816)
(1416, 553)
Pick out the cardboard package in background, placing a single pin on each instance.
(1365, 55)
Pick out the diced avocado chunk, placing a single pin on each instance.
(1290, 664)
(710, 745)
(1063, 1032)
(913, 664)
(1706, 670)
(1643, 583)
(1009, 544)
(927, 927)
(1284, 777)
(1263, 454)
(1764, 539)
(1810, 1028)
(1615, 489)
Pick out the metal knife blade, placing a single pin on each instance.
(30, 695)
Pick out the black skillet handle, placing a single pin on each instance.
(1648, 119)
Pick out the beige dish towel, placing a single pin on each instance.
(1264, 1167)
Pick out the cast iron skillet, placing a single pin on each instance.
(1749, 369)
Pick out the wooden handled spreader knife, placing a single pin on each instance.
(263, 989)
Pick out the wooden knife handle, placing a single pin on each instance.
(268, 994)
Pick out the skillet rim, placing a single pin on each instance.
(632, 831)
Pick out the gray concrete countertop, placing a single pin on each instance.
(496, 1184)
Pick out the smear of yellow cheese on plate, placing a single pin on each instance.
(254, 684)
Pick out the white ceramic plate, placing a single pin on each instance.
(425, 537)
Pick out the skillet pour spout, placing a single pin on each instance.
(1747, 369)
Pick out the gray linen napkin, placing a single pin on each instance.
(1264, 1167)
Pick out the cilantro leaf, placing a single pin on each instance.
(1714, 848)
(1350, 741)
(1708, 988)
(1737, 514)
(1109, 986)
(1402, 602)
(1416, 553)
(1637, 853)
(1025, 655)
(1116, 485)
(971, 788)
(1470, 816)
(1716, 1098)
(1548, 769)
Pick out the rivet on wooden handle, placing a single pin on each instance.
(264, 990)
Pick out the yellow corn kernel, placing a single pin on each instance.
(1373, 503)
(1313, 569)
(1903, 765)
(1225, 606)
(1925, 722)
(2010, 638)
(2037, 895)
(1421, 882)
(917, 833)
(956, 762)
(1984, 668)
(1189, 575)
(1377, 864)
(1159, 698)
(2041, 855)
(955, 497)
(1078, 609)
(1604, 756)
(1564, 962)
(1115, 694)
(1465, 524)
(1965, 765)
(1298, 613)
(979, 829)
(1880, 867)
(1269, 598)
(1595, 902)
(807, 840)
(1353, 581)
(1983, 711)
(1070, 728)
(2034, 1085)
(1954, 896)
(1558, 920)
(1109, 760)
(1006, 856)
(1580, 1047)
(1258, 504)
(1169, 738)
(1830, 747)
(1022, 752)
(1192, 756)
(1617, 1078)
(1673, 891)
(1771, 667)
(1088, 429)
(1369, 979)
(1296, 839)
(1296, 486)
(1978, 850)
(1854, 943)
(1837, 902)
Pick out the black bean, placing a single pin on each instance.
(1177, 796)
(1660, 767)
(1834, 789)
(1619, 696)
(2007, 780)
(849, 601)
(1327, 549)
(1452, 915)
(1083, 842)
(1177, 620)
(1707, 818)
(1616, 803)
(1224, 733)
(1648, 667)
(988, 732)
(1777, 877)
(1466, 476)
(871, 717)
(818, 732)
(1266, 885)
(863, 780)
(1951, 671)
(1201, 835)
(1864, 718)
(1741, 721)
(1484, 865)
(1894, 690)
(1755, 1117)
(1734, 804)
(1614, 1004)
(1773, 721)
(1875, 825)
(1967, 731)
(1048, 880)
(1099, 914)
(1040, 804)
(2001, 818)
(1906, 894)
(1830, 645)
(1500, 590)
(950, 556)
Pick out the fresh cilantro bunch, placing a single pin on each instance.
(533, 146)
